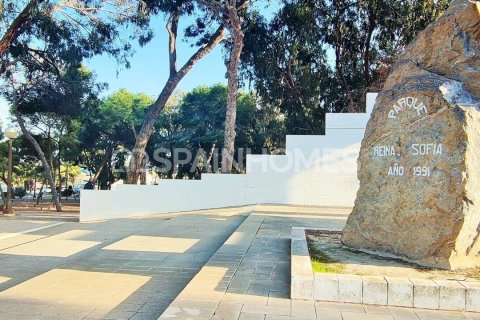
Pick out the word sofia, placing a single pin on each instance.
(418, 149)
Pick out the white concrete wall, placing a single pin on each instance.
(316, 171)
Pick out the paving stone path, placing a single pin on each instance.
(118, 269)
(248, 278)
(217, 264)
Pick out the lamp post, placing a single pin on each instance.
(10, 134)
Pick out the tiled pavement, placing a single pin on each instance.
(248, 278)
(119, 269)
(134, 269)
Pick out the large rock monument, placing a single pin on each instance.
(419, 164)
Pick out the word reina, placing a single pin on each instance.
(417, 149)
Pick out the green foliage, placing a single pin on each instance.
(197, 122)
(298, 73)
(318, 56)
(70, 172)
(322, 267)
(63, 95)
(25, 163)
(123, 111)
(288, 66)
(50, 33)
(19, 160)
(366, 36)
(109, 126)
(3, 161)
(322, 262)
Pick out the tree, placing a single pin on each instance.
(229, 13)
(27, 167)
(107, 126)
(48, 172)
(208, 41)
(197, 123)
(367, 35)
(347, 50)
(19, 24)
(289, 69)
(94, 22)
(69, 172)
(4, 162)
(41, 54)
(62, 96)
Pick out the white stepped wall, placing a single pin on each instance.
(315, 171)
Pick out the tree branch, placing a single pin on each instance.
(172, 28)
(18, 26)
(243, 5)
(40, 153)
(217, 37)
(216, 8)
(146, 131)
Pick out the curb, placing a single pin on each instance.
(452, 295)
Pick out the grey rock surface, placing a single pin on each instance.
(419, 164)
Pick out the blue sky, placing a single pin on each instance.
(149, 65)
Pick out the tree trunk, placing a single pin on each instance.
(339, 57)
(20, 24)
(138, 153)
(172, 161)
(135, 166)
(351, 105)
(366, 61)
(229, 136)
(66, 183)
(50, 156)
(40, 153)
(108, 156)
(366, 53)
(143, 175)
(9, 202)
(59, 172)
(89, 164)
(208, 159)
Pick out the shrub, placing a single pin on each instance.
(19, 192)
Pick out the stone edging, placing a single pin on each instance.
(384, 291)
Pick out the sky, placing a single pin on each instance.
(149, 65)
